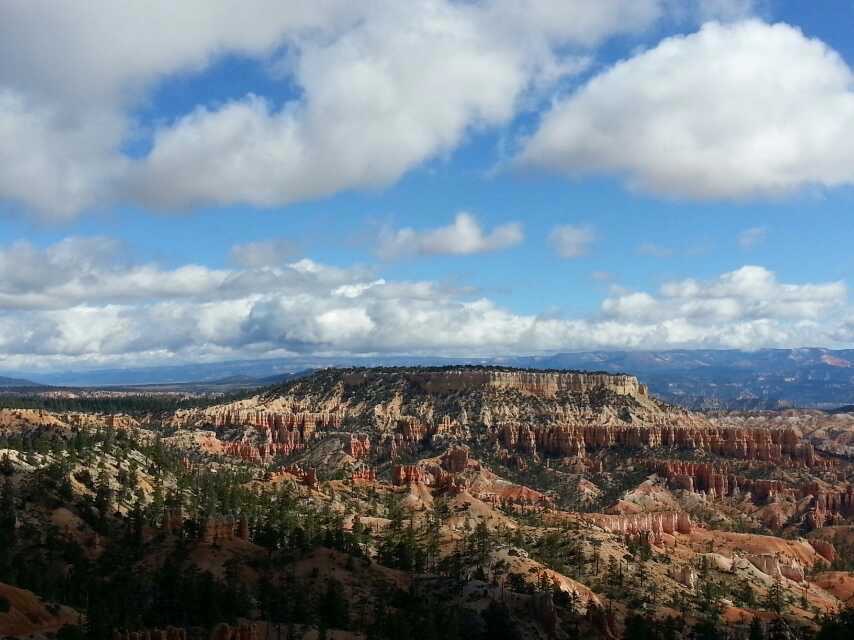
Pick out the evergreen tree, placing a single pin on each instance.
(775, 600)
(103, 493)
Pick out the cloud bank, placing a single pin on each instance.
(372, 90)
(79, 303)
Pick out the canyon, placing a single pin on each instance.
(577, 480)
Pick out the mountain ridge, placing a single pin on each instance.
(694, 378)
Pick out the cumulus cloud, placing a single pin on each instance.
(749, 294)
(737, 110)
(69, 78)
(464, 236)
(80, 304)
(572, 241)
(379, 87)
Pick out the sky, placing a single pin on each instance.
(206, 181)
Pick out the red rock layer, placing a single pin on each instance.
(279, 432)
(455, 459)
(367, 476)
(828, 507)
(404, 474)
(715, 480)
(747, 444)
(358, 446)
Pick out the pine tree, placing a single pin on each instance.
(596, 556)
(137, 518)
(775, 600)
(103, 492)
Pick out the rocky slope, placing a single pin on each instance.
(566, 501)
(532, 413)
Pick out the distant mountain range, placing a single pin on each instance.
(15, 383)
(696, 378)
(731, 379)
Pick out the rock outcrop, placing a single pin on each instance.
(825, 549)
(716, 480)
(358, 446)
(574, 440)
(543, 384)
(363, 476)
(455, 459)
(774, 567)
(404, 474)
(828, 506)
(224, 528)
(654, 524)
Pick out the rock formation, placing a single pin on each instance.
(218, 529)
(455, 459)
(366, 475)
(716, 480)
(543, 384)
(774, 566)
(825, 549)
(828, 506)
(404, 474)
(654, 524)
(574, 440)
(358, 446)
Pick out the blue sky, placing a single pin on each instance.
(697, 152)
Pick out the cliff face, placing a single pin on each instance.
(329, 398)
(545, 385)
(404, 407)
(566, 414)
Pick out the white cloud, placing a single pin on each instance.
(379, 88)
(572, 241)
(399, 88)
(749, 238)
(733, 111)
(69, 77)
(749, 294)
(464, 236)
(79, 303)
(54, 164)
